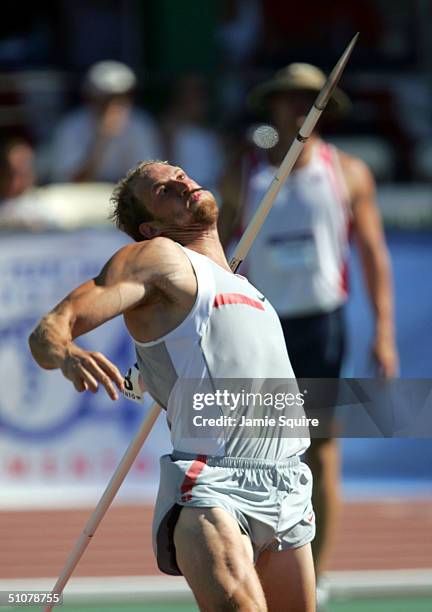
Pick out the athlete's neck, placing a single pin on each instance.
(204, 241)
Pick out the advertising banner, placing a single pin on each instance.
(58, 446)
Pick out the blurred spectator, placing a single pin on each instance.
(25, 206)
(17, 174)
(105, 137)
(189, 141)
(17, 183)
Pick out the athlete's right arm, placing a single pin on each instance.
(126, 280)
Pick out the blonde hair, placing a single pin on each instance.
(128, 211)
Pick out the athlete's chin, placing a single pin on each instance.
(205, 209)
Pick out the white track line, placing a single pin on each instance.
(342, 585)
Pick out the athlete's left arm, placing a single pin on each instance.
(375, 260)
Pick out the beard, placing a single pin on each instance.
(195, 217)
(204, 211)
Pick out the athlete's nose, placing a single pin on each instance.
(185, 186)
(179, 186)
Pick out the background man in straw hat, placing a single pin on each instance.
(299, 260)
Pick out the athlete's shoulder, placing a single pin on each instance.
(144, 259)
(352, 166)
(357, 174)
(155, 247)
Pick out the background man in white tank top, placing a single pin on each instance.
(299, 258)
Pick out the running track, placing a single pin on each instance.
(379, 535)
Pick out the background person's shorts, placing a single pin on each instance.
(316, 345)
(271, 501)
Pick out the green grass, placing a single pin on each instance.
(384, 605)
(114, 607)
(361, 605)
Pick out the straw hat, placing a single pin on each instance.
(297, 77)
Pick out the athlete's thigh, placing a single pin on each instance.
(217, 560)
(288, 579)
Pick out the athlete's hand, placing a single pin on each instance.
(385, 354)
(88, 369)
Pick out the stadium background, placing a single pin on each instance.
(58, 449)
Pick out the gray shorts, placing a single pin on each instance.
(271, 500)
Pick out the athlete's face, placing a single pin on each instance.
(174, 199)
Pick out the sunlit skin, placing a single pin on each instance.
(177, 202)
(151, 283)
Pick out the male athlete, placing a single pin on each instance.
(234, 513)
(299, 259)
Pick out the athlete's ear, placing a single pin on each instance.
(149, 229)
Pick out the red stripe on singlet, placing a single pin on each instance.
(326, 154)
(222, 299)
(191, 476)
(344, 278)
(327, 157)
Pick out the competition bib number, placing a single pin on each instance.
(292, 252)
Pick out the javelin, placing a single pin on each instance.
(241, 251)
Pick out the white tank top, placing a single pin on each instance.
(232, 332)
(299, 258)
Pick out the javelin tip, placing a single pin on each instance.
(340, 66)
(335, 75)
(351, 45)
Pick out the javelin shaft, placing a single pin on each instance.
(279, 178)
(105, 501)
(241, 251)
(290, 158)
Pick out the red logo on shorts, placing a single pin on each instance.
(311, 517)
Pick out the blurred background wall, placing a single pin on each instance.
(192, 65)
